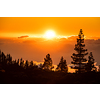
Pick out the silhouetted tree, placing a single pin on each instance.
(8, 59)
(90, 64)
(26, 64)
(62, 65)
(3, 58)
(31, 63)
(21, 62)
(18, 62)
(15, 61)
(48, 62)
(78, 59)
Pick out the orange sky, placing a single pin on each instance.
(37, 48)
(63, 26)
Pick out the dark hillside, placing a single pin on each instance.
(18, 75)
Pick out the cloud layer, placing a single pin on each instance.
(23, 36)
(36, 49)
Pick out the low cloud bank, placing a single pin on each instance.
(23, 36)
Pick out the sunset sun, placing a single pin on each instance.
(49, 34)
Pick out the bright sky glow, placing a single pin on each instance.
(49, 34)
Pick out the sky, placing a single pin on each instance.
(37, 26)
(22, 37)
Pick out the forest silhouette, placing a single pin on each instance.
(25, 72)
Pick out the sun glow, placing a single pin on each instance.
(50, 34)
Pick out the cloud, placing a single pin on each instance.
(73, 37)
(92, 37)
(23, 36)
(37, 48)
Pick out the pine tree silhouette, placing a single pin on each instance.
(78, 59)
(9, 59)
(18, 62)
(3, 58)
(26, 64)
(90, 64)
(31, 64)
(62, 65)
(48, 62)
(21, 62)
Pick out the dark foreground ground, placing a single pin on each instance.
(18, 75)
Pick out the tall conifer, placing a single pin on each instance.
(78, 58)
